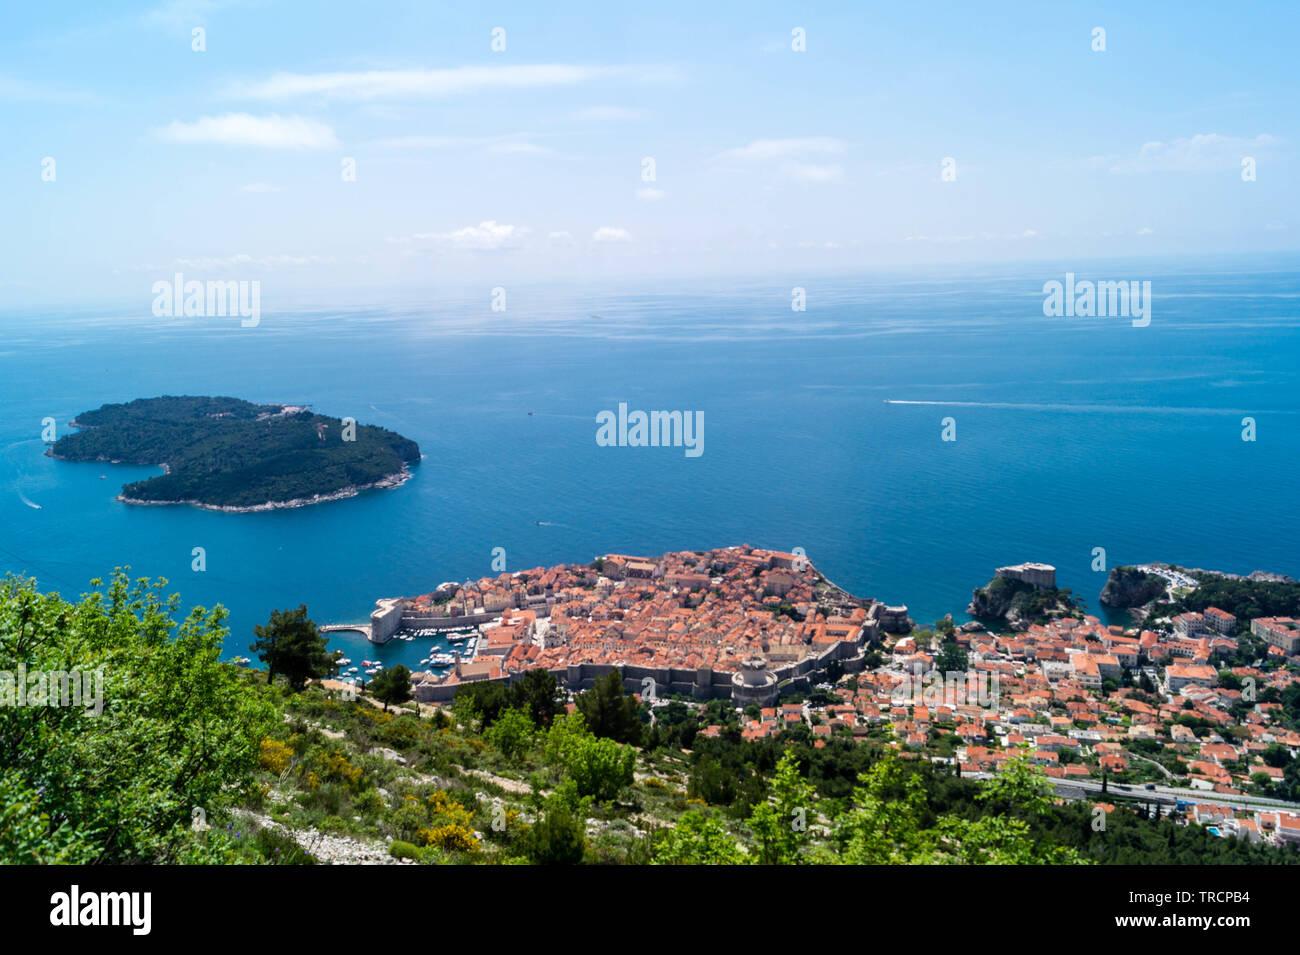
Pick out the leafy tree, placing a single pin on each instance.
(392, 686)
(1277, 756)
(559, 836)
(598, 768)
(883, 826)
(697, 838)
(481, 701)
(512, 733)
(610, 711)
(951, 658)
(781, 823)
(539, 692)
(889, 821)
(173, 728)
(290, 644)
(27, 836)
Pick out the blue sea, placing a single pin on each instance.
(822, 430)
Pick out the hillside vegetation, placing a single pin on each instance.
(190, 760)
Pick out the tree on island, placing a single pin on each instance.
(291, 645)
(392, 686)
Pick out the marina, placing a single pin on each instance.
(419, 649)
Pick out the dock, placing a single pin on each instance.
(362, 628)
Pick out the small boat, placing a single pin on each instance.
(343, 661)
(103, 477)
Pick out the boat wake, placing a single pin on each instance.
(1106, 409)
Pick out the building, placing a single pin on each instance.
(1181, 675)
(1189, 624)
(1220, 621)
(385, 619)
(1281, 632)
(754, 684)
(1036, 575)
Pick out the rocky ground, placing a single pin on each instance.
(334, 850)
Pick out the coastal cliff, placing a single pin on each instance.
(1129, 587)
(1015, 602)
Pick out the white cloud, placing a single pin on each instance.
(560, 238)
(783, 148)
(793, 156)
(485, 237)
(378, 84)
(1204, 152)
(649, 194)
(611, 234)
(1146, 230)
(243, 129)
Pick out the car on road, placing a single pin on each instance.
(1151, 787)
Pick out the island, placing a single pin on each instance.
(227, 454)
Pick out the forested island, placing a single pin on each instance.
(233, 455)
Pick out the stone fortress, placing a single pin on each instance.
(1036, 575)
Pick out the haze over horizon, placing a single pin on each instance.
(481, 165)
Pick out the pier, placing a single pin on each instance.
(362, 628)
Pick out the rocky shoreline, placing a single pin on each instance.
(389, 481)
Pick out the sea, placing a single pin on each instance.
(910, 429)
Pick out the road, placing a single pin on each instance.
(1169, 795)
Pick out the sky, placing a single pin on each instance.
(574, 141)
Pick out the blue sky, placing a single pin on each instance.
(485, 166)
